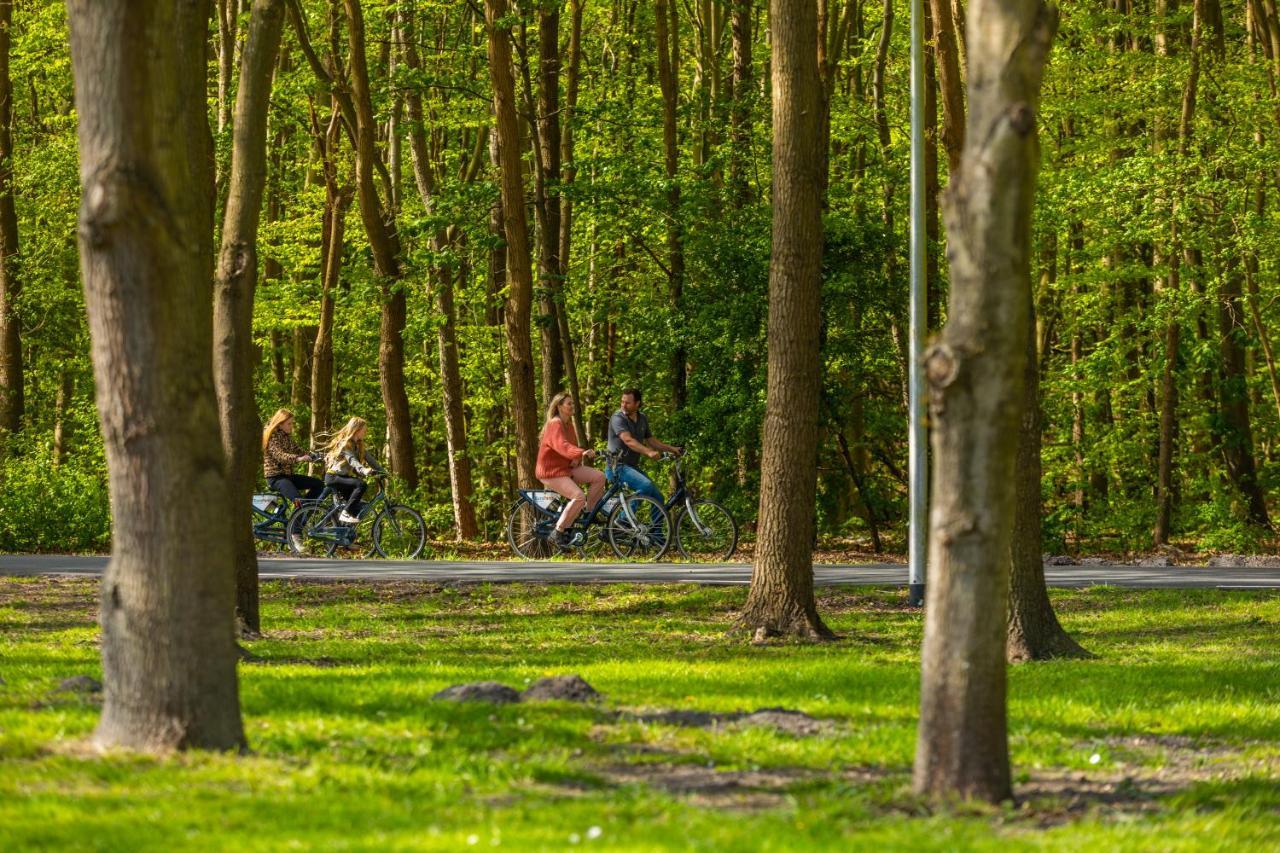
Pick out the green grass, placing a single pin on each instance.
(350, 752)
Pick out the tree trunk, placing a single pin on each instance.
(781, 600)
(424, 170)
(519, 274)
(547, 151)
(11, 378)
(384, 242)
(740, 111)
(566, 212)
(950, 82)
(464, 513)
(975, 373)
(233, 294)
(1034, 630)
(668, 43)
(333, 227)
(62, 416)
(146, 259)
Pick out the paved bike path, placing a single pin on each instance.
(870, 574)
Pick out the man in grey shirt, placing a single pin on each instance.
(629, 433)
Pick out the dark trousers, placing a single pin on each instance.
(351, 488)
(294, 486)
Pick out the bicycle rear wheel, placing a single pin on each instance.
(709, 533)
(312, 533)
(527, 530)
(399, 533)
(643, 534)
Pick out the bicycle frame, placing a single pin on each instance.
(683, 494)
(597, 515)
(330, 530)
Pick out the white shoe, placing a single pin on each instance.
(347, 518)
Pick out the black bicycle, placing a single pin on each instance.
(397, 531)
(704, 528)
(636, 527)
(271, 512)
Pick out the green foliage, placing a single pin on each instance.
(52, 509)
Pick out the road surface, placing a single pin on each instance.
(872, 574)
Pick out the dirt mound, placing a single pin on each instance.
(479, 691)
(569, 688)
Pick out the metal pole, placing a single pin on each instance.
(917, 443)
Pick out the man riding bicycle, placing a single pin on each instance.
(630, 435)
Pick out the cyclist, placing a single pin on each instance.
(560, 467)
(347, 463)
(280, 454)
(629, 434)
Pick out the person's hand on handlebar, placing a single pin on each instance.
(588, 455)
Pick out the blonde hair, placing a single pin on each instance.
(345, 437)
(278, 418)
(553, 410)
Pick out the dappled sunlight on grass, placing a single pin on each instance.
(349, 746)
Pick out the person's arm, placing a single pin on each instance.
(663, 447)
(357, 464)
(630, 441)
(560, 444)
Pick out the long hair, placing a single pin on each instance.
(553, 409)
(278, 418)
(343, 439)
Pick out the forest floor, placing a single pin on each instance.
(1168, 739)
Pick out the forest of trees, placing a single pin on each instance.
(638, 136)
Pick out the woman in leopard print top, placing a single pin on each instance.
(281, 454)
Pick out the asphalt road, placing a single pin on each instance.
(883, 574)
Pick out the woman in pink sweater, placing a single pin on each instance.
(560, 467)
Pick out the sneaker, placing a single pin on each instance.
(347, 518)
(558, 538)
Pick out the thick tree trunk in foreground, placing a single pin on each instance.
(781, 600)
(384, 243)
(11, 378)
(1034, 630)
(146, 256)
(233, 293)
(975, 375)
(516, 227)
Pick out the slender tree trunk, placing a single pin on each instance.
(947, 52)
(740, 111)
(384, 242)
(975, 373)
(146, 259)
(425, 170)
(519, 274)
(333, 227)
(11, 373)
(62, 416)
(547, 149)
(566, 211)
(464, 513)
(233, 294)
(781, 599)
(668, 43)
(1173, 330)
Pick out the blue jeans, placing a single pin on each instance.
(636, 481)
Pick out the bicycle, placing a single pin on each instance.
(533, 518)
(703, 527)
(271, 511)
(397, 531)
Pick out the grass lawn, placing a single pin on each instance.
(1170, 739)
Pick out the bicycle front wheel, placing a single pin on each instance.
(527, 530)
(639, 529)
(311, 533)
(707, 533)
(399, 533)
